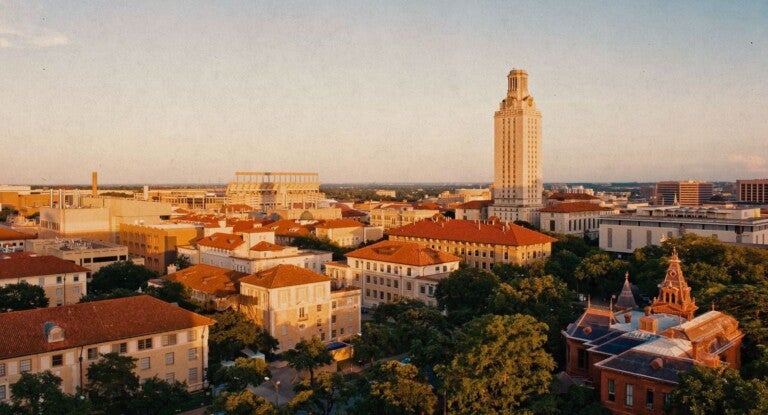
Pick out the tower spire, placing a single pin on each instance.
(626, 299)
(674, 293)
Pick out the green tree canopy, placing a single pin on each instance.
(112, 383)
(308, 355)
(40, 394)
(331, 391)
(243, 403)
(245, 372)
(500, 365)
(232, 332)
(396, 389)
(704, 391)
(465, 293)
(22, 296)
(120, 275)
(158, 397)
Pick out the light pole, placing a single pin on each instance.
(276, 384)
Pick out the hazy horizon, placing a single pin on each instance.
(190, 92)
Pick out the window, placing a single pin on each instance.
(319, 322)
(667, 398)
(25, 365)
(422, 289)
(629, 238)
(408, 286)
(169, 340)
(582, 359)
(319, 307)
(302, 313)
(630, 398)
(341, 331)
(192, 354)
(333, 319)
(145, 344)
(2, 369)
(368, 279)
(170, 377)
(76, 290)
(192, 374)
(381, 295)
(191, 335)
(396, 284)
(121, 348)
(76, 278)
(144, 363)
(375, 280)
(333, 333)
(649, 398)
(169, 358)
(611, 390)
(59, 292)
(408, 272)
(93, 353)
(610, 237)
(3, 393)
(59, 279)
(333, 304)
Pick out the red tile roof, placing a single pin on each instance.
(284, 276)
(339, 223)
(208, 279)
(33, 266)
(475, 204)
(11, 235)
(470, 231)
(237, 207)
(22, 332)
(267, 246)
(288, 227)
(572, 196)
(406, 253)
(225, 241)
(574, 207)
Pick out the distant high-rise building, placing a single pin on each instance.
(517, 181)
(755, 191)
(683, 193)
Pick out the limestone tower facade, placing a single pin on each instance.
(517, 181)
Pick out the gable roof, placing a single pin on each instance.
(284, 275)
(288, 227)
(225, 241)
(475, 204)
(21, 266)
(574, 207)
(207, 279)
(267, 246)
(22, 332)
(495, 233)
(405, 253)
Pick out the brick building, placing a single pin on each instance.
(633, 357)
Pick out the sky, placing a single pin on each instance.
(151, 92)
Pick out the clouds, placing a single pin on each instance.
(23, 26)
(750, 163)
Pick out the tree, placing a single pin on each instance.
(377, 340)
(464, 294)
(232, 332)
(122, 274)
(600, 274)
(499, 365)
(243, 403)
(330, 391)
(158, 397)
(112, 383)
(40, 394)
(22, 296)
(174, 292)
(397, 389)
(245, 372)
(704, 390)
(182, 261)
(308, 355)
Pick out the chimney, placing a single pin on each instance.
(94, 184)
(146, 192)
(628, 317)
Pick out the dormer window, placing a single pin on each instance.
(53, 333)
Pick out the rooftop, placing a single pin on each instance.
(574, 207)
(493, 232)
(405, 253)
(22, 332)
(208, 279)
(33, 266)
(284, 276)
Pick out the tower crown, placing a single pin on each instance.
(517, 84)
(674, 293)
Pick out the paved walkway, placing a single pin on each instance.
(287, 377)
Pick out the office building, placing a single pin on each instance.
(685, 193)
(753, 191)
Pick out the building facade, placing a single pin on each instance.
(215, 288)
(88, 253)
(156, 244)
(67, 340)
(389, 270)
(293, 303)
(394, 215)
(266, 191)
(348, 233)
(683, 193)
(753, 191)
(64, 282)
(13, 241)
(633, 357)
(574, 218)
(480, 244)
(517, 178)
(650, 226)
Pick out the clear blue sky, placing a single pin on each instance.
(186, 91)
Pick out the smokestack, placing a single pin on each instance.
(146, 192)
(94, 184)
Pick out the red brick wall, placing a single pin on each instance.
(640, 387)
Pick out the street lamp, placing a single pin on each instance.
(276, 384)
